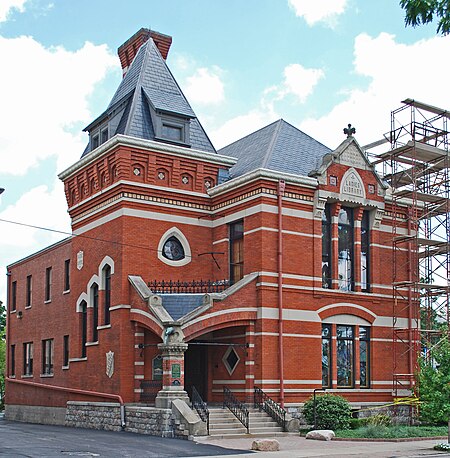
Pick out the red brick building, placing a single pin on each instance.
(267, 263)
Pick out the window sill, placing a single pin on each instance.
(75, 360)
(12, 311)
(12, 376)
(67, 291)
(27, 307)
(46, 375)
(47, 302)
(27, 376)
(65, 368)
(103, 326)
(91, 344)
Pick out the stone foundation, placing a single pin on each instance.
(35, 414)
(142, 420)
(93, 415)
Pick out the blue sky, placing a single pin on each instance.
(242, 64)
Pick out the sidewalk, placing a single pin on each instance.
(293, 447)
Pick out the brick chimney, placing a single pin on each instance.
(129, 49)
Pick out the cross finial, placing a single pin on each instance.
(349, 130)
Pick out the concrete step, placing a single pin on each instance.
(226, 432)
(270, 430)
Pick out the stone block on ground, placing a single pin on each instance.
(266, 445)
(321, 435)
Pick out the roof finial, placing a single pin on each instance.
(349, 131)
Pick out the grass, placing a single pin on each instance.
(393, 432)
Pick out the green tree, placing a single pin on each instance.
(419, 12)
(2, 318)
(434, 384)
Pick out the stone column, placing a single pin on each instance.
(173, 374)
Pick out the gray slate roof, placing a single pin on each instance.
(280, 147)
(149, 85)
(178, 305)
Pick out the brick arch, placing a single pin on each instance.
(346, 309)
(211, 322)
(145, 320)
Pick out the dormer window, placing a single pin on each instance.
(104, 135)
(172, 128)
(95, 141)
(172, 132)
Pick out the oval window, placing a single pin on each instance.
(173, 249)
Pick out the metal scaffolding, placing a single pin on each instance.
(417, 168)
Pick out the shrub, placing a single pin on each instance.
(333, 412)
(379, 419)
(434, 385)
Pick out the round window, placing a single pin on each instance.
(173, 249)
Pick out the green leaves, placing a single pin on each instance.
(333, 412)
(434, 385)
(419, 12)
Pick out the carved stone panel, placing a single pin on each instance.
(352, 157)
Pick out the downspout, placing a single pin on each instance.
(412, 259)
(8, 308)
(281, 187)
(77, 391)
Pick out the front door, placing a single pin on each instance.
(196, 369)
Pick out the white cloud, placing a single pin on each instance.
(325, 11)
(301, 81)
(298, 81)
(205, 86)
(42, 206)
(6, 6)
(397, 71)
(43, 94)
(242, 125)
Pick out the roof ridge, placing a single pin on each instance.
(270, 148)
(251, 133)
(138, 84)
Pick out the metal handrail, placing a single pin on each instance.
(237, 407)
(264, 402)
(201, 407)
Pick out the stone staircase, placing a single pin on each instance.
(223, 424)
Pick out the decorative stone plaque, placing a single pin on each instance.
(80, 260)
(352, 184)
(110, 364)
(176, 370)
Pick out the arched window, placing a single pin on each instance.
(326, 248)
(107, 294)
(345, 249)
(94, 302)
(83, 308)
(174, 249)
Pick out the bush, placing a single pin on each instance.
(434, 385)
(333, 412)
(379, 419)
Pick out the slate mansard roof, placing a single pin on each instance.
(148, 87)
(280, 147)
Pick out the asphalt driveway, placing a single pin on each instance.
(29, 440)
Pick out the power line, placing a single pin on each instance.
(83, 236)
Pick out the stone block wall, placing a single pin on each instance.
(141, 420)
(148, 420)
(93, 415)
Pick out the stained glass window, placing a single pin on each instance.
(344, 355)
(326, 355)
(345, 249)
